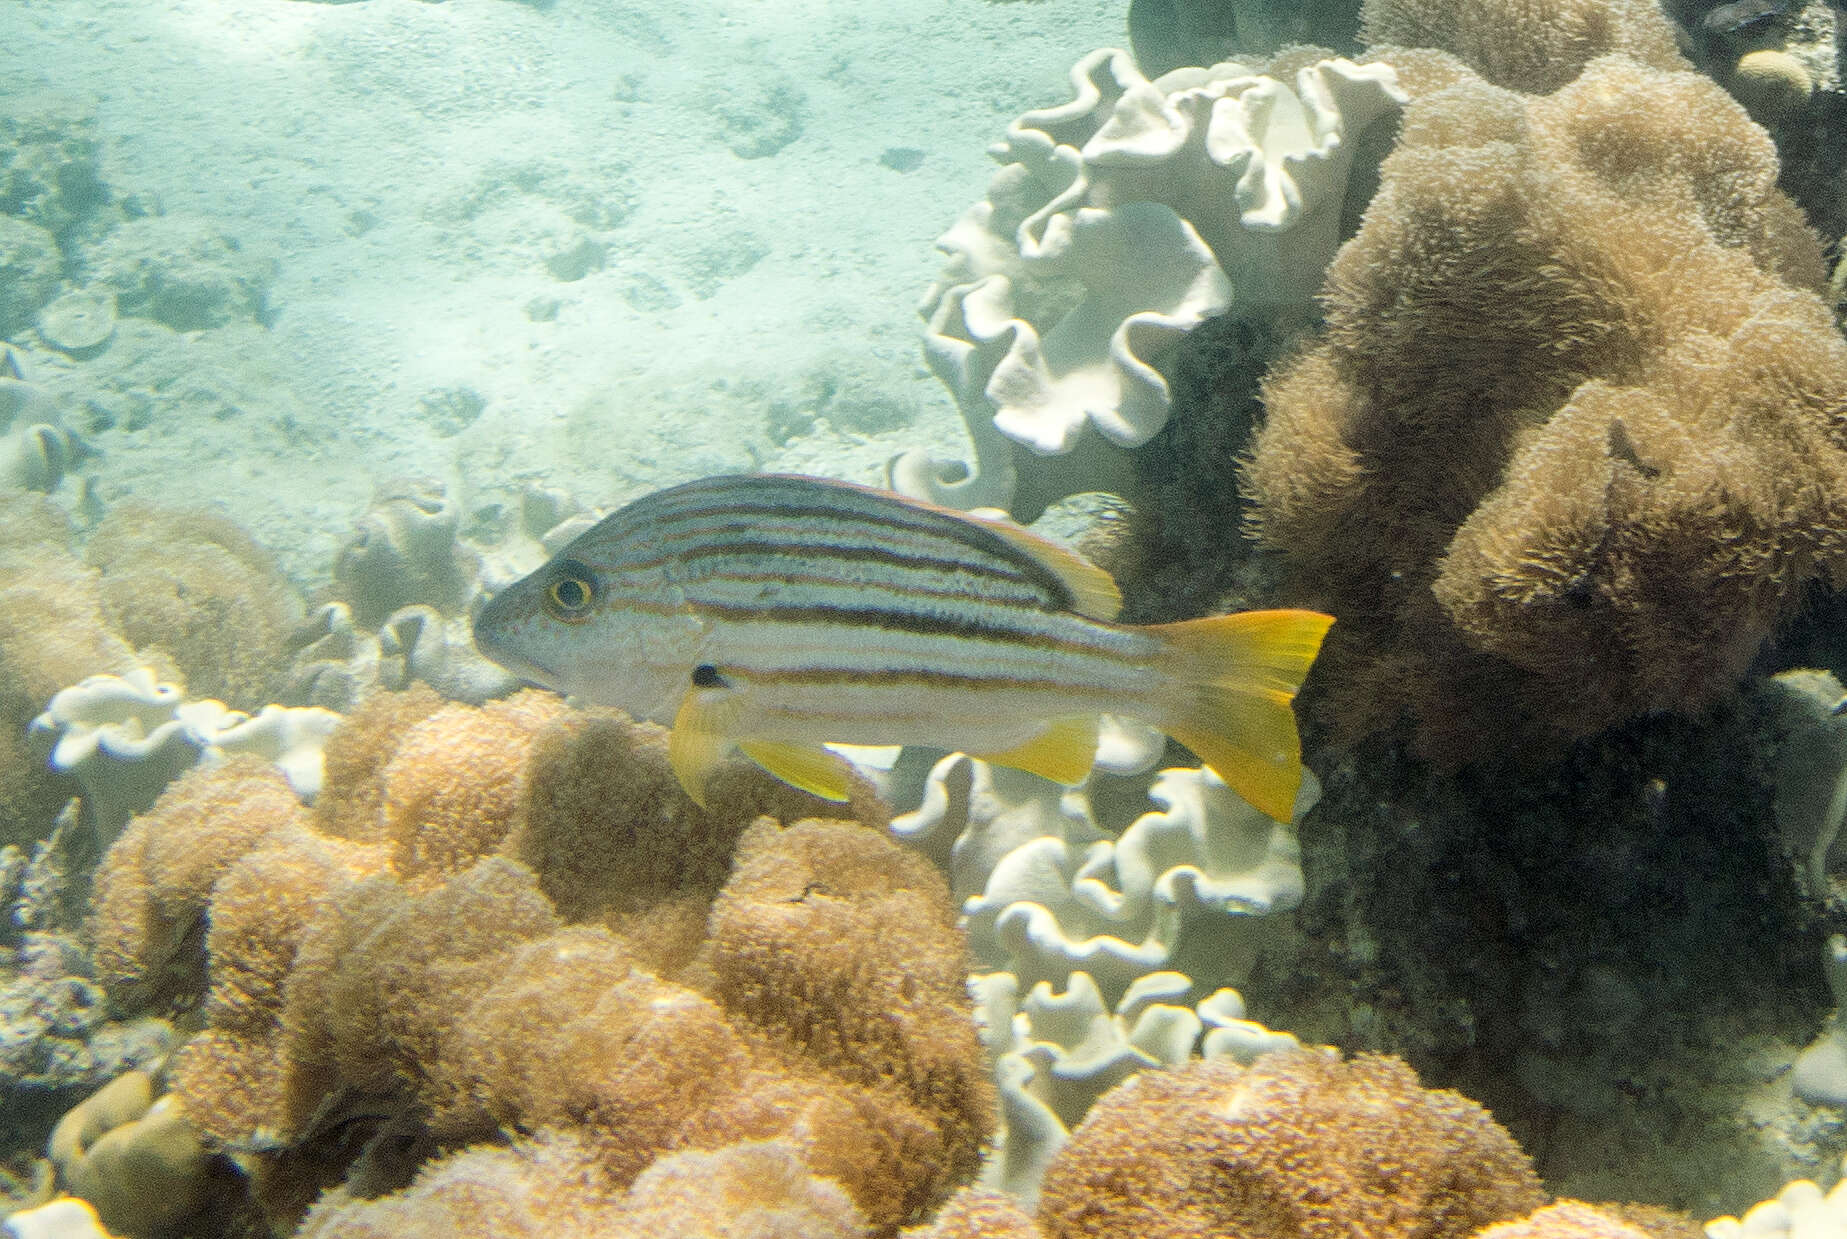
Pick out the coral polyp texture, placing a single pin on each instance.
(1119, 221)
(1528, 47)
(1574, 440)
(547, 1187)
(194, 589)
(410, 977)
(1298, 1144)
(52, 634)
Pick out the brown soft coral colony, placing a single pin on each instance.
(155, 886)
(192, 587)
(52, 634)
(449, 969)
(1576, 437)
(1300, 1145)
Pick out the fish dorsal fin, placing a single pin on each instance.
(700, 741)
(807, 766)
(1064, 752)
(1093, 590)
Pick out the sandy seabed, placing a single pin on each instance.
(599, 246)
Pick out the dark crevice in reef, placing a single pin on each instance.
(1582, 950)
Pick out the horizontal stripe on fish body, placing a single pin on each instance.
(810, 522)
(767, 643)
(855, 567)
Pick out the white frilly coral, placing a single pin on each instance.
(1118, 222)
(1800, 1211)
(1102, 953)
(126, 737)
(1057, 1052)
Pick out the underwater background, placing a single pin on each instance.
(1505, 331)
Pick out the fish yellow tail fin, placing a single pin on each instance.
(1235, 677)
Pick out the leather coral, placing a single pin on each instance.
(1575, 439)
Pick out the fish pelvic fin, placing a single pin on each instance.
(701, 741)
(1064, 752)
(1235, 679)
(806, 766)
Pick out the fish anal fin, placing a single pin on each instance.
(1234, 683)
(806, 766)
(1064, 752)
(1093, 590)
(699, 743)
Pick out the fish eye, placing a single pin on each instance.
(572, 592)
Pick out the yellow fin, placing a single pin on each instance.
(699, 743)
(1236, 678)
(1093, 589)
(807, 766)
(1063, 752)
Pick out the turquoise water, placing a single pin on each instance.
(326, 322)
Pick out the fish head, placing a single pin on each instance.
(584, 626)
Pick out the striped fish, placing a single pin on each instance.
(773, 614)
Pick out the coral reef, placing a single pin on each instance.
(124, 738)
(351, 803)
(333, 662)
(1819, 1076)
(1110, 923)
(756, 1190)
(193, 587)
(658, 860)
(1573, 1219)
(1571, 947)
(64, 1218)
(1799, 1211)
(1811, 772)
(57, 1039)
(405, 552)
(52, 634)
(1118, 222)
(155, 883)
(1531, 48)
(978, 1213)
(1299, 1144)
(438, 825)
(1773, 86)
(36, 451)
(405, 979)
(416, 644)
(1056, 1053)
(1547, 512)
(133, 1157)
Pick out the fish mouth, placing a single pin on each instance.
(497, 617)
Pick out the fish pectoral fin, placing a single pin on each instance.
(1064, 752)
(700, 741)
(808, 766)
